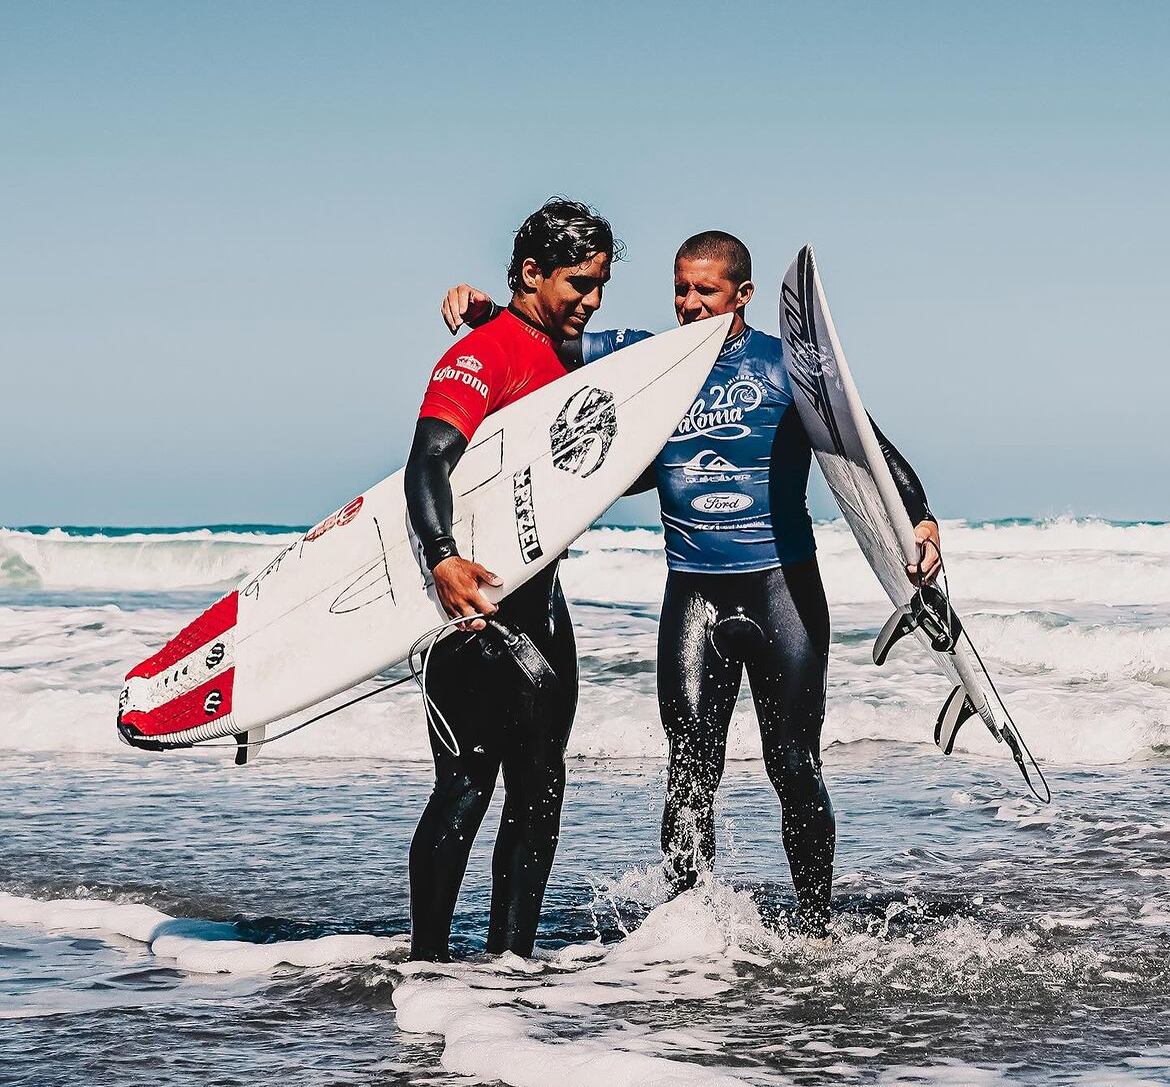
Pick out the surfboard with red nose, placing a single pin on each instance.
(351, 596)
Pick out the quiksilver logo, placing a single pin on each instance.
(215, 655)
(583, 431)
(212, 703)
(708, 462)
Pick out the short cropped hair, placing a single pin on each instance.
(561, 234)
(719, 245)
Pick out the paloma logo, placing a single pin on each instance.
(722, 502)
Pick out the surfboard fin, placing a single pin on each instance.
(897, 627)
(249, 749)
(956, 709)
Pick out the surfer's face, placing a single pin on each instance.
(702, 288)
(566, 298)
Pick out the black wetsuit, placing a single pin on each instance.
(504, 714)
(744, 591)
(775, 624)
(501, 721)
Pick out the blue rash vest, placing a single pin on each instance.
(733, 477)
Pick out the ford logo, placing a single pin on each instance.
(722, 502)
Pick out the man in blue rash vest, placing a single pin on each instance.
(743, 587)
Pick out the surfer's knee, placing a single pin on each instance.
(795, 773)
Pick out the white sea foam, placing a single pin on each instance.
(494, 1015)
(1064, 559)
(1087, 679)
(140, 561)
(202, 947)
(1082, 691)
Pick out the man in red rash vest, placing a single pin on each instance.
(500, 719)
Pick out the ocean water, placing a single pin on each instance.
(172, 917)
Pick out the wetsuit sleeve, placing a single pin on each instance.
(596, 345)
(465, 385)
(436, 450)
(909, 486)
(572, 352)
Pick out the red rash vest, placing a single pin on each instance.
(488, 369)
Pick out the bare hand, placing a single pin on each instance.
(464, 304)
(457, 582)
(929, 554)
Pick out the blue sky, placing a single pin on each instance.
(227, 228)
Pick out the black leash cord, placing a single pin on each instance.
(1013, 736)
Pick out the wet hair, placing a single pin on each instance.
(719, 245)
(561, 234)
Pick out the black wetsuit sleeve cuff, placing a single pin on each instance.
(438, 549)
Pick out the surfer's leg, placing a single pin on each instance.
(697, 689)
(787, 676)
(462, 792)
(534, 785)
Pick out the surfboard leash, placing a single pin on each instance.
(1013, 736)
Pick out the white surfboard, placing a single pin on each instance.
(851, 458)
(351, 596)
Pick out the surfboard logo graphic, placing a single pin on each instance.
(813, 365)
(583, 431)
(342, 517)
(526, 533)
(215, 655)
(212, 703)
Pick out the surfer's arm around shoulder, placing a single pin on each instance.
(913, 496)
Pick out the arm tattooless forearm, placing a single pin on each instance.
(436, 450)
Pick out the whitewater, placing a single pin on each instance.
(171, 915)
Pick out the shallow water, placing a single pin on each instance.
(972, 927)
(171, 917)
